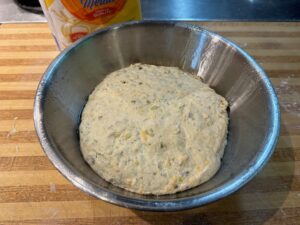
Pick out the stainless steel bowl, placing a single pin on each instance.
(72, 76)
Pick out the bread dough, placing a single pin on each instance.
(154, 130)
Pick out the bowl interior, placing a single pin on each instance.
(75, 73)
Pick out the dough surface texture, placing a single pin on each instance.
(154, 130)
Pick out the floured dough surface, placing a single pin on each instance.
(154, 130)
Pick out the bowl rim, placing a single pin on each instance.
(155, 205)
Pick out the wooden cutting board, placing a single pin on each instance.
(33, 192)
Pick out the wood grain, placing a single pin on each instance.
(33, 192)
(20, 149)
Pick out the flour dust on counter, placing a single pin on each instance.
(154, 130)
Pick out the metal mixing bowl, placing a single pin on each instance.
(72, 76)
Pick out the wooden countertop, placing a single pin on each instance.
(33, 192)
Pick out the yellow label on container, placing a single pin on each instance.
(72, 19)
(95, 12)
